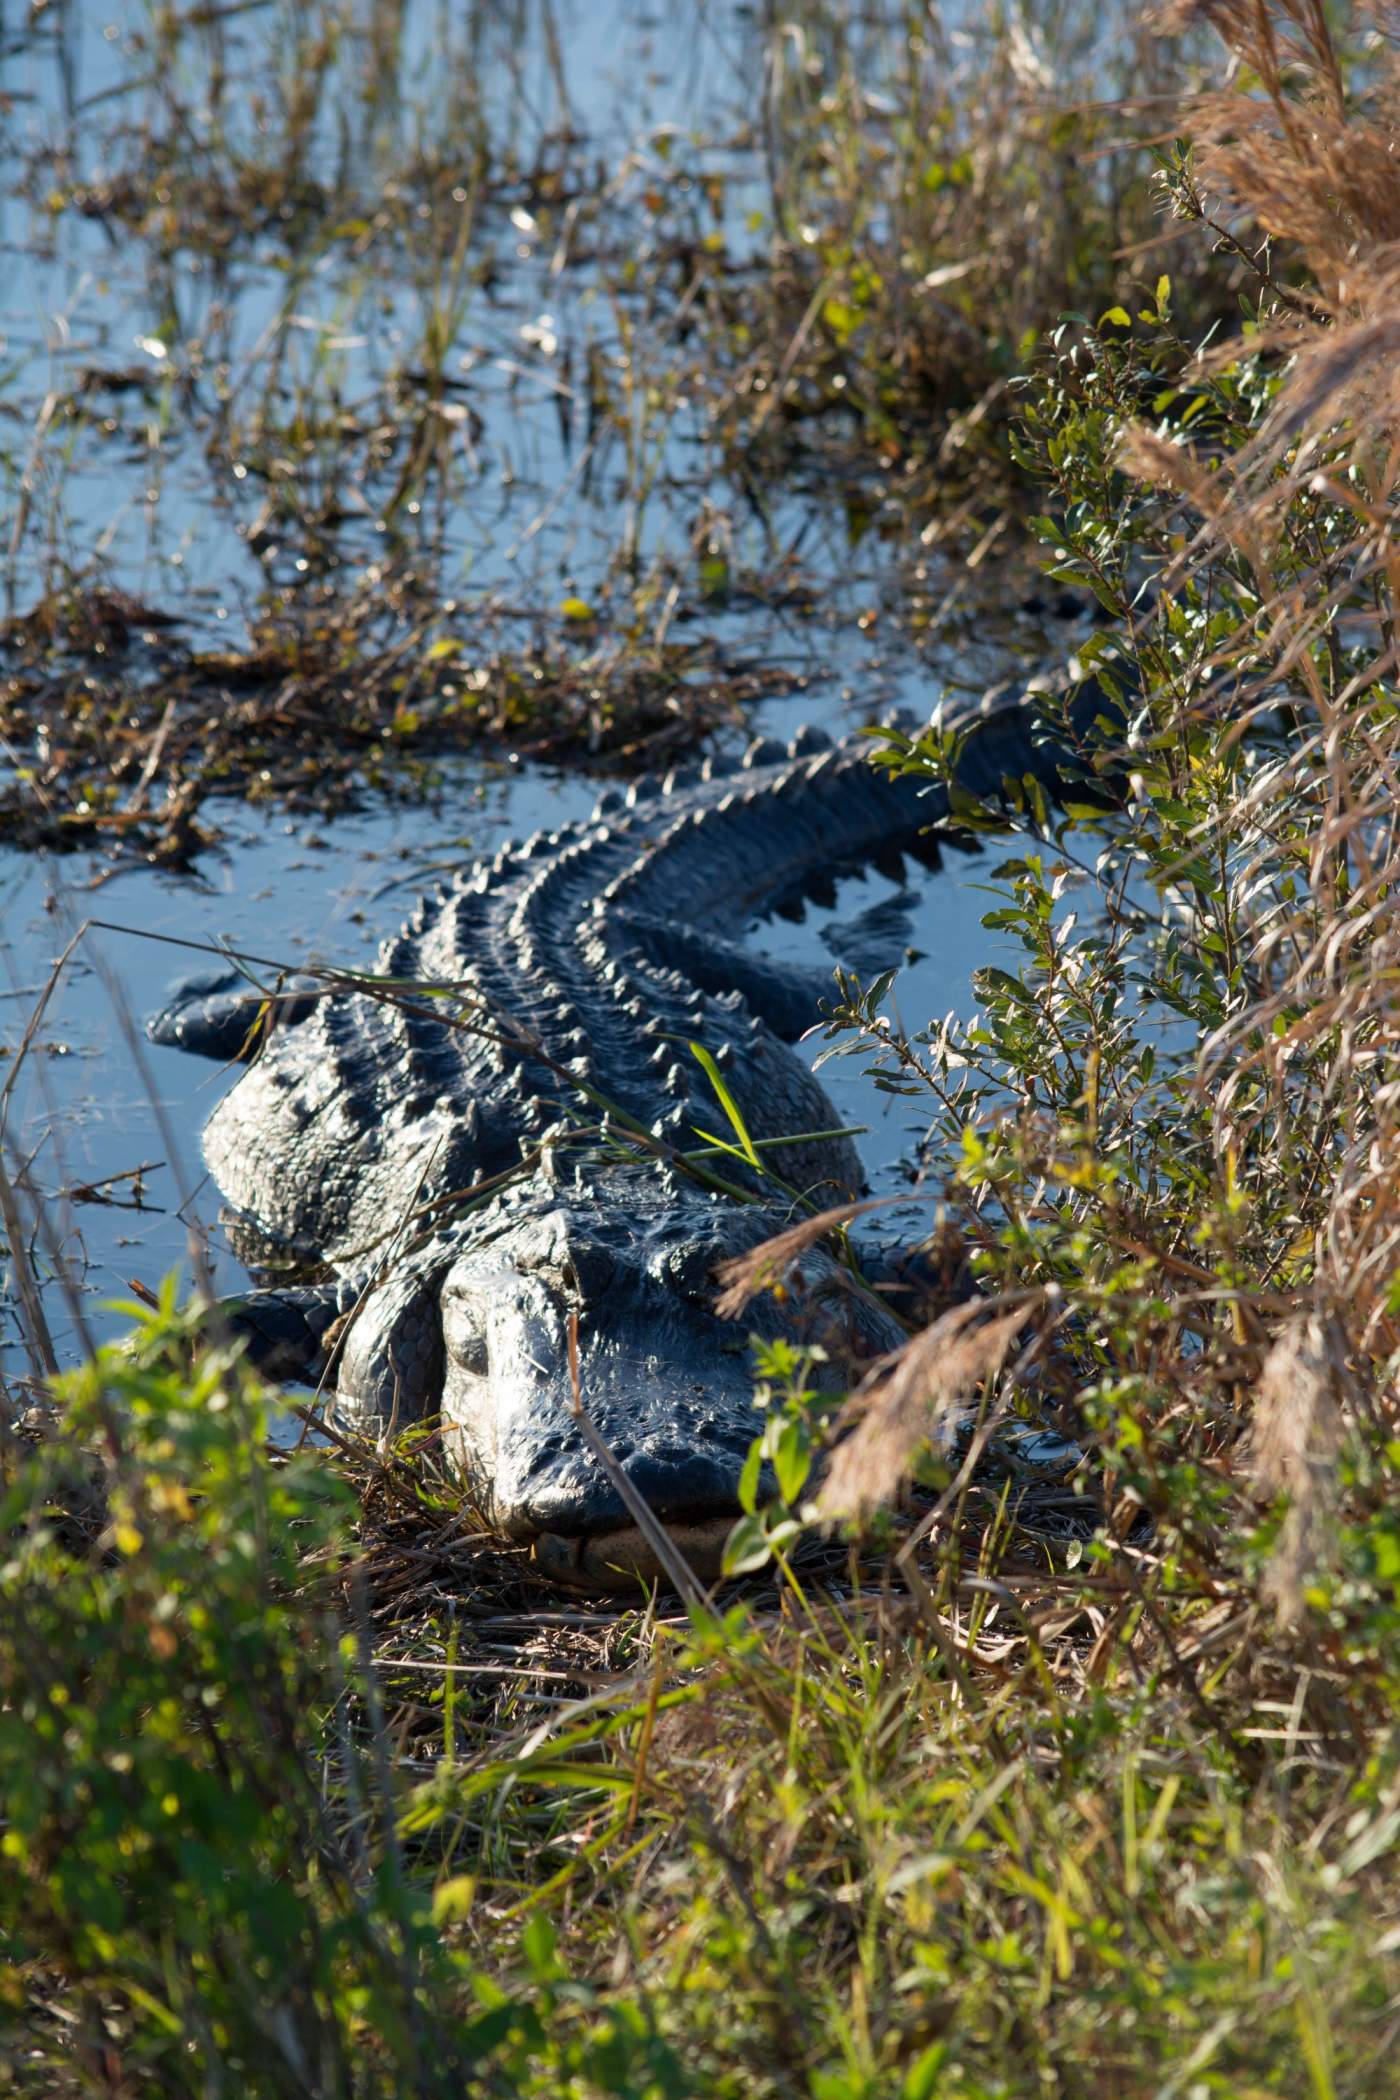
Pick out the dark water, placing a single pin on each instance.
(526, 515)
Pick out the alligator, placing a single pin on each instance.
(494, 1142)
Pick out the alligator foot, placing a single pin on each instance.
(224, 1017)
(288, 1331)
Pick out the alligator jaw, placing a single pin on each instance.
(620, 1560)
(678, 1441)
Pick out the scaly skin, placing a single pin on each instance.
(608, 945)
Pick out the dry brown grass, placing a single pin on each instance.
(910, 1396)
(1301, 148)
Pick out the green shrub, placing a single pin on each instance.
(203, 1885)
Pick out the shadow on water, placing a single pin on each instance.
(394, 308)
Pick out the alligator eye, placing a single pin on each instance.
(587, 1273)
(690, 1271)
(469, 1352)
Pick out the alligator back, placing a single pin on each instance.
(611, 945)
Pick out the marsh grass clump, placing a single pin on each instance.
(936, 190)
(122, 733)
(1177, 1116)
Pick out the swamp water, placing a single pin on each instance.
(179, 387)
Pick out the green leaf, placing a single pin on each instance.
(726, 1101)
(1001, 981)
(747, 1549)
(792, 1461)
(922, 2079)
(540, 1947)
(453, 1899)
(1119, 316)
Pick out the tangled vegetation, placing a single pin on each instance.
(311, 1790)
(436, 413)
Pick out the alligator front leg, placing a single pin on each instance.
(391, 1362)
(224, 1017)
(288, 1331)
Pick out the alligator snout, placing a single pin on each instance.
(664, 1386)
(674, 1439)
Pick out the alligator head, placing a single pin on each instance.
(666, 1385)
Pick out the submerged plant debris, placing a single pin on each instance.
(126, 730)
(383, 378)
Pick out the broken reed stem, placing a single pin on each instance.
(38, 1341)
